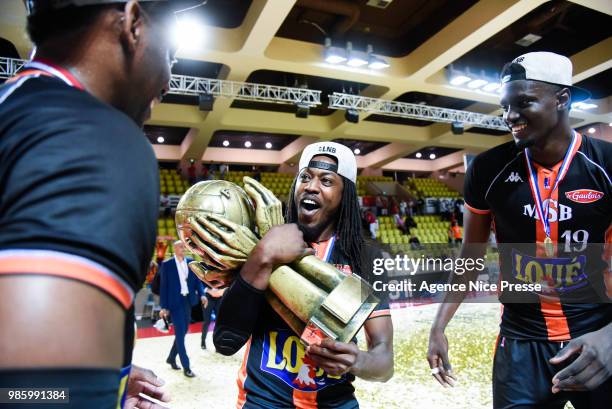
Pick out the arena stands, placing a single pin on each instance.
(427, 187)
(172, 183)
(430, 228)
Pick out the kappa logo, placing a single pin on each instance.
(514, 177)
(584, 195)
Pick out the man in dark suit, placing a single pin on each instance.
(180, 290)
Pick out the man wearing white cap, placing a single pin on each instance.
(549, 188)
(278, 372)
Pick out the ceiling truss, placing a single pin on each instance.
(255, 46)
(415, 111)
(187, 85)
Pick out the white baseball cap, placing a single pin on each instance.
(347, 164)
(546, 67)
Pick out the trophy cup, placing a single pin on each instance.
(216, 220)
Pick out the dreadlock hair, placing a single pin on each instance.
(348, 228)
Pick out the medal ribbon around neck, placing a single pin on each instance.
(535, 190)
(56, 71)
(328, 250)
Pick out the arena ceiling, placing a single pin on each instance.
(281, 42)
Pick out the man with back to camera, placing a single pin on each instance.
(550, 186)
(323, 211)
(180, 289)
(77, 218)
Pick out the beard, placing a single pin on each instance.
(311, 233)
(524, 143)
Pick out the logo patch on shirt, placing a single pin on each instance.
(556, 211)
(284, 357)
(514, 177)
(584, 195)
(556, 274)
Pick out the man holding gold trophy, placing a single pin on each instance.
(300, 343)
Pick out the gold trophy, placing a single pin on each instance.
(216, 220)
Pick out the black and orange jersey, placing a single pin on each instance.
(79, 196)
(580, 215)
(275, 372)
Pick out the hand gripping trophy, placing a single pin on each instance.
(216, 220)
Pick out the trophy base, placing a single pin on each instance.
(326, 325)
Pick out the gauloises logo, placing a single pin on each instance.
(584, 195)
(284, 357)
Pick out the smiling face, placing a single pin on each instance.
(318, 194)
(531, 110)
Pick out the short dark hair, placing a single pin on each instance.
(52, 24)
(72, 19)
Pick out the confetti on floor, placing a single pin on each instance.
(471, 335)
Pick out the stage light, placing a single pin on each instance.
(355, 58)
(333, 55)
(189, 34)
(247, 144)
(472, 81)
(268, 145)
(302, 110)
(432, 156)
(418, 155)
(226, 143)
(160, 139)
(205, 102)
(377, 63)
(592, 130)
(583, 105)
(477, 83)
(491, 87)
(357, 151)
(457, 128)
(459, 80)
(352, 115)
